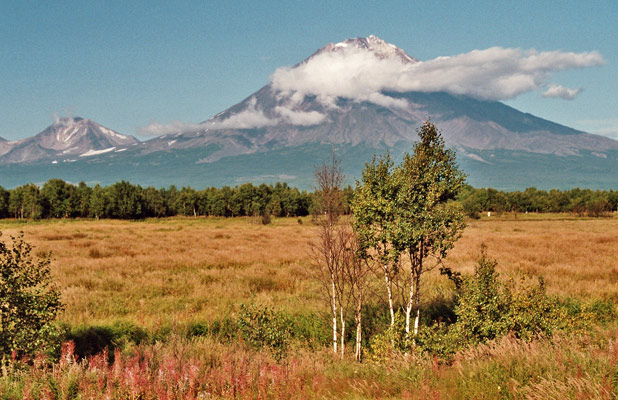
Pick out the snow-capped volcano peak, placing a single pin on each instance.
(372, 43)
(66, 137)
(67, 133)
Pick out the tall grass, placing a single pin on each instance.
(165, 293)
(564, 368)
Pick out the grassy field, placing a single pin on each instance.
(171, 272)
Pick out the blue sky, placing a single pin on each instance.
(129, 64)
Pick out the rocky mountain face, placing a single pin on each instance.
(280, 134)
(65, 139)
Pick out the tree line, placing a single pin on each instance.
(123, 200)
(594, 203)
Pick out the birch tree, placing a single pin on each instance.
(373, 207)
(328, 250)
(427, 220)
(356, 275)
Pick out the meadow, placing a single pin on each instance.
(168, 276)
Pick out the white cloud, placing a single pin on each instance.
(252, 117)
(246, 119)
(493, 74)
(561, 92)
(157, 129)
(304, 118)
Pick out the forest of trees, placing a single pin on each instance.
(593, 203)
(123, 200)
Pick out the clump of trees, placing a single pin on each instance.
(405, 219)
(341, 272)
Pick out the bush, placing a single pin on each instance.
(486, 309)
(390, 342)
(29, 302)
(265, 327)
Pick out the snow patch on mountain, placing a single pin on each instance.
(96, 152)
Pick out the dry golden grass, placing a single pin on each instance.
(577, 257)
(176, 270)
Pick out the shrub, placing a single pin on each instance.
(483, 309)
(266, 218)
(265, 327)
(390, 342)
(29, 302)
(488, 308)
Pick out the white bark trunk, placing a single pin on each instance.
(390, 295)
(417, 298)
(334, 308)
(342, 332)
(359, 331)
(418, 315)
(410, 303)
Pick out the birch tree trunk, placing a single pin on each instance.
(342, 332)
(417, 302)
(389, 290)
(410, 301)
(359, 331)
(417, 285)
(334, 309)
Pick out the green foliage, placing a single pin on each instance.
(390, 342)
(593, 203)
(409, 211)
(428, 221)
(373, 207)
(484, 305)
(265, 327)
(29, 302)
(123, 200)
(488, 308)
